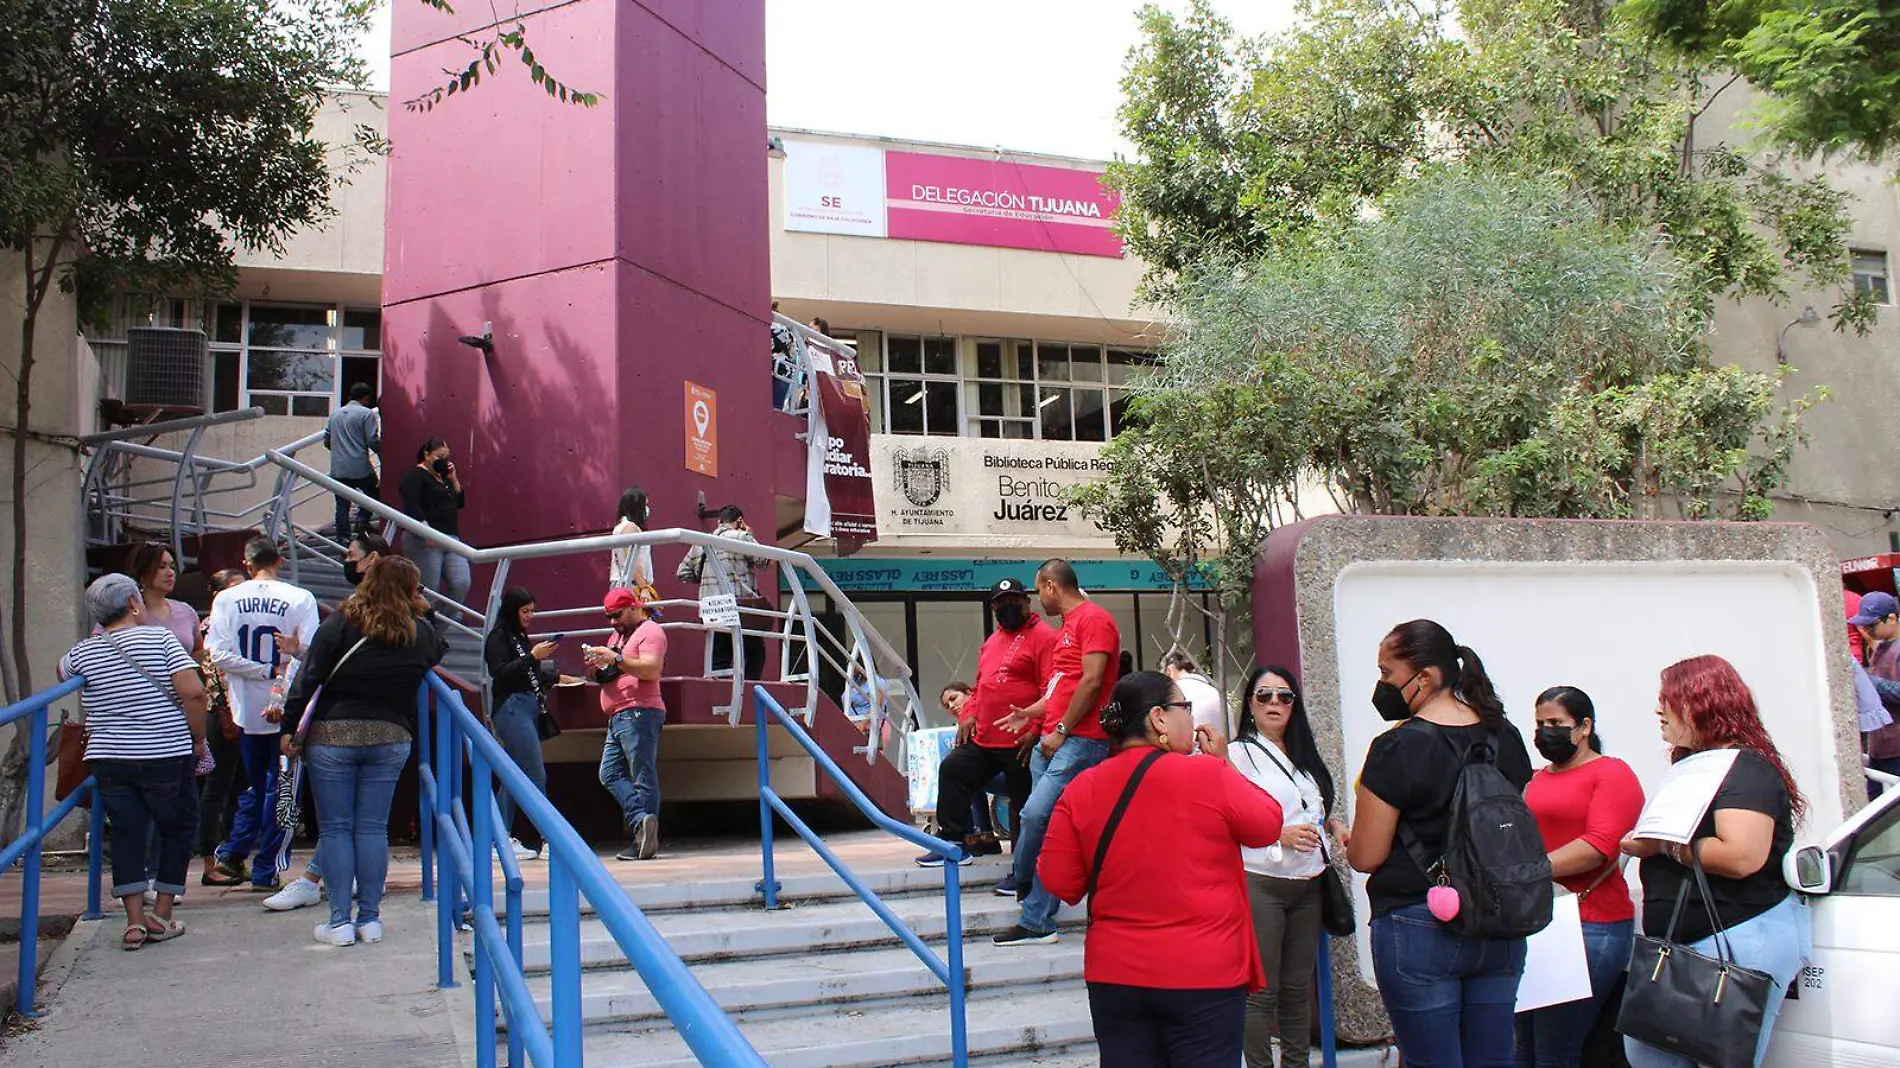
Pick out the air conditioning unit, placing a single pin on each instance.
(165, 369)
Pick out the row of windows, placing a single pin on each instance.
(994, 387)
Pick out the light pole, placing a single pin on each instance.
(1808, 317)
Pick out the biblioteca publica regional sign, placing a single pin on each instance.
(974, 492)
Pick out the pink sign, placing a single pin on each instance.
(995, 202)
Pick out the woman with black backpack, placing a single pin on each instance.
(1449, 982)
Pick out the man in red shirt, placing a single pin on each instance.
(1010, 672)
(628, 670)
(1082, 673)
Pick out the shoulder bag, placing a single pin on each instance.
(1335, 904)
(1115, 821)
(290, 773)
(1708, 1010)
(205, 761)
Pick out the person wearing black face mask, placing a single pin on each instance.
(1585, 804)
(432, 493)
(364, 551)
(1011, 672)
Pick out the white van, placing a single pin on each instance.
(1845, 1009)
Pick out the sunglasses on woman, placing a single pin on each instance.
(1268, 695)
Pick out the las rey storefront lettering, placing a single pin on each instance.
(983, 492)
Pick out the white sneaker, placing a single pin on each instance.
(523, 852)
(341, 935)
(300, 893)
(371, 932)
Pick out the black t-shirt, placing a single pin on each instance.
(1414, 771)
(1752, 784)
(435, 502)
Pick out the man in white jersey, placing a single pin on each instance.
(257, 628)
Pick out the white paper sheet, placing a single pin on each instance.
(1555, 968)
(1680, 801)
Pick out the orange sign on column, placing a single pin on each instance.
(702, 430)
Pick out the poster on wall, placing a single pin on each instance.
(702, 430)
(838, 501)
(864, 191)
(985, 491)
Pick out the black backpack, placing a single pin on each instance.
(1494, 853)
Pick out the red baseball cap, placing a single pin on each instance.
(619, 600)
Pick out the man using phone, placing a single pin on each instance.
(628, 670)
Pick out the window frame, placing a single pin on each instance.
(1885, 297)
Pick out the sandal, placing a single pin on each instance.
(222, 874)
(165, 932)
(131, 944)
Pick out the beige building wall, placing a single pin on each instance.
(1847, 480)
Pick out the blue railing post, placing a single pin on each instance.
(564, 958)
(446, 913)
(953, 961)
(769, 884)
(30, 864)
(515, 1058)
(95, 852)
(482, 876)
(424, 802)
(1328, 1041)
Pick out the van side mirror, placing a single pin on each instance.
(1809, 870)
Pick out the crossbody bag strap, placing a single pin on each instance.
(1598, 881)
(1325, 853)
(1115, 820)
(310, 707)
(168, 692)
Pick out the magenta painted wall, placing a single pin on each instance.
(619, 251)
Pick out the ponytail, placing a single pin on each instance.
(1475, 689)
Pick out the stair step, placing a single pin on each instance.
(912, 1031)
(745, 933)
(753, 988)
(977, 878)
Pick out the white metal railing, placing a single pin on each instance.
(114, 502)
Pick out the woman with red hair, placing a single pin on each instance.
(1749, 827)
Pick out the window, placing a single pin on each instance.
(1870, 273)
(1055, 391)
(1873, 866)
(923, 393)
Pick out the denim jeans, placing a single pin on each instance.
(1050, 776)
(1779, 942)
(1450, 998)
(141, 797)
(1553, 1037)
(514, 728)
(354, 785)
(347, 524)
(255, 826)
(630, 761)
(442, 571)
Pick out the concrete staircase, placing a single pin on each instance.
(823, 983)
(320, 570)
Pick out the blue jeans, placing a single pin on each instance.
(1779, 942)
(1050, 776)
(442, 571)
(1450, 998)
(354, 785)
(1553, 1037)
(149, 801)
(630, 762)
(255, 826)
(514, 728)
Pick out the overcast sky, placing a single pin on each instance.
(1033, 75)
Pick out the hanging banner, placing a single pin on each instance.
(838, 499)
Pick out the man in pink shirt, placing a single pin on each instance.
(628, 671)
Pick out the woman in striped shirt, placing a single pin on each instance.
(144, 708)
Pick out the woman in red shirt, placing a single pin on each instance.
(1585, 804)
(1170, 954)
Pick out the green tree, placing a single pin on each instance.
(1479, 344)
(141, 143)
(1248, 147)
(1830, 69)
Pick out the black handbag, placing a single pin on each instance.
(544, 725)
(1335, 904)
(1706, 1009)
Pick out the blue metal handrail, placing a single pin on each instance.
(448, 732)
(29, 849)
(948, 969)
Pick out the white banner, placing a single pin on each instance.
(834, 189)
(983, 492)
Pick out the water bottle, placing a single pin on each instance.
(274, 708)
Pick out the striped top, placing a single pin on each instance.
(127, 718)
